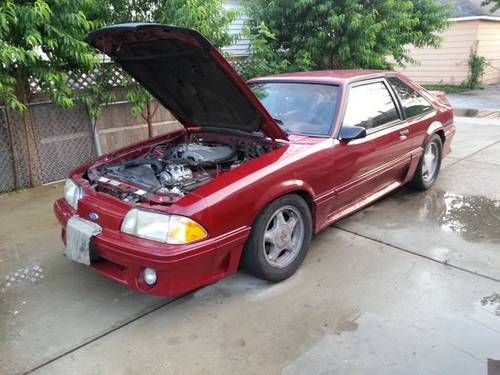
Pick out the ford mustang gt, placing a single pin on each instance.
(258, 168)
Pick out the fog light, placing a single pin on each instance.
(149, 276)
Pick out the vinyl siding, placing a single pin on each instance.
(488, 37)
(449, 62)
(240, 47)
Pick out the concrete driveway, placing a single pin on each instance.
(407, 285)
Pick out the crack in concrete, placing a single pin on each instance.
(100, 336)
(444, 262)
(458, 160)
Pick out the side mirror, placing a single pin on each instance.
(348, 133)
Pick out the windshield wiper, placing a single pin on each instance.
(282, 125)
(280, 122)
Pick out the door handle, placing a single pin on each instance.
(403, 134)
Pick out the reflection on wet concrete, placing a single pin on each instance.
(474, 218)
(32, 275)
(492, 300)
(477, 113)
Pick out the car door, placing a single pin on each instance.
(381, 159)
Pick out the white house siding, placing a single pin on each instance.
(449, 62)
(489, 46)
(240, 48)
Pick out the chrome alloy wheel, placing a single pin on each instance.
(283, 237)
(430, 162)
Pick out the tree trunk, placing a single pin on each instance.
(149, 117)
(149, 120)
(13, 153)
(33, 156)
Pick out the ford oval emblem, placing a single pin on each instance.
(93, 216)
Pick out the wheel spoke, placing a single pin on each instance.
(280, 218)
(274, 252)
(269, 237)
(292, 222)
(424, 168)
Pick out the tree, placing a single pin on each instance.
(41, 41)
(264, 60)
(206, 16)
(495, 3)
(348, 33)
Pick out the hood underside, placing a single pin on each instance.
(187, 75)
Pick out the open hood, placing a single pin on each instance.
(187, 75)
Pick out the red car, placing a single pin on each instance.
(257, 170)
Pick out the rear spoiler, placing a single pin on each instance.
(441, 96)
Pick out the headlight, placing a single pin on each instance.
(72, 193)
(171, 229)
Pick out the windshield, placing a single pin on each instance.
(302, 108)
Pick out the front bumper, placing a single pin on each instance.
(180, 268)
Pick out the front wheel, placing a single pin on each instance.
(429, 165)
(279, 239)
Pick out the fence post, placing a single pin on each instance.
(13, 154)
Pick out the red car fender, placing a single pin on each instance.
(434, 128)
(286, 187)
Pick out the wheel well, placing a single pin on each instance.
(306, 196)
(310, 203)
(441, 135)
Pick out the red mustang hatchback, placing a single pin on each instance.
(257, 170)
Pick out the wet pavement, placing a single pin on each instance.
(48, 304)
(409, 285)
(479, 102)
(457, 222)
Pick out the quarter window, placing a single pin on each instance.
(413, 103)
(370, 106)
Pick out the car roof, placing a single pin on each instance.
(326, 76)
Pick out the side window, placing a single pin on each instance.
(370, 106)
(413, 103)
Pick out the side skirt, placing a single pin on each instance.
(359, 204)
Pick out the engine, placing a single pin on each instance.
(179, 168)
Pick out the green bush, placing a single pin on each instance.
(477, 65)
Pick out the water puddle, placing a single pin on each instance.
(472, 217)
(492, 301)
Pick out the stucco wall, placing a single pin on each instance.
(448, 63)
(489, 46)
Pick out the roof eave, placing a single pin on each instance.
(474, 18)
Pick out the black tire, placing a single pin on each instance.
(254, 259)
(421, 181)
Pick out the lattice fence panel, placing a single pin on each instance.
(113, 74)
(64, 139)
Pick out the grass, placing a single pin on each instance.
(449, 89)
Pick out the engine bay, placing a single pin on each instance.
(169, 170)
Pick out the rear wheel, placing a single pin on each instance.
(429, 165)
(279, 239)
